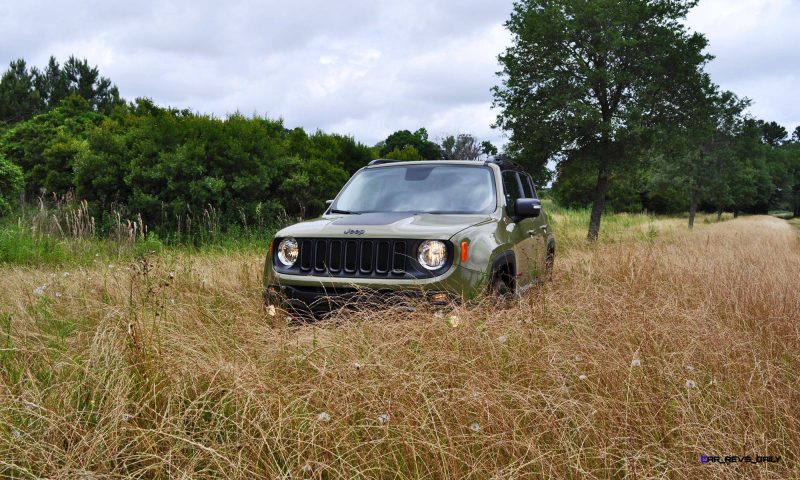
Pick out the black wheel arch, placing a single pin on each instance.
(506, 263)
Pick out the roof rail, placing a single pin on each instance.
(505, 162)
(381, 161)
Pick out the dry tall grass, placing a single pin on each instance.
(642, 355)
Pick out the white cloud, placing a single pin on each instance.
(755, 43)
(361, 67)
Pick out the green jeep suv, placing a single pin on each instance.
(441, 230)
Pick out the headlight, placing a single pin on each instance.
(288, 250)
(432, 254)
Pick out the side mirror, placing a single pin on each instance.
(328, 203)
(528, 207)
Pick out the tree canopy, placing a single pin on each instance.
(173, 166)
(461, 147)
(26, 92)
(597, 77)
(11, 182)
(65, 132)
(401, 139)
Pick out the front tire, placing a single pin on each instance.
(501, 286)
(549, 261)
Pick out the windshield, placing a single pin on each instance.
(419, 189)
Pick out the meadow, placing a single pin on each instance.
(650, 348)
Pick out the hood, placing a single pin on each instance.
(385, 225)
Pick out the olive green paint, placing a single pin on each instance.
(488, 235)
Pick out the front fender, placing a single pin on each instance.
(487, 243)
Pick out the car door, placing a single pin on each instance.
(524, 242)
(538, 230)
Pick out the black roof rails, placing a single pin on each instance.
(505, 163)
(381, 161)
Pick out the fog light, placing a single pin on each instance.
(439, 298)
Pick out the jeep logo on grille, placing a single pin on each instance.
(350, 231)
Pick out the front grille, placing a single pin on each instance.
(359, 258)
(362, 257)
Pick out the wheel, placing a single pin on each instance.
(501, 285)
(548, 264)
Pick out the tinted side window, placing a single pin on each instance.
(511, 186)
(527, 185)
(527, 188)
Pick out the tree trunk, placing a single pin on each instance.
(719, 215)
(692, 210)
(735, 213)
(598, 202)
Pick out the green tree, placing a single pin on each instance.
(418, 140)
(86, 81)
(406, 154)
(60, 157)
(772, 133)
(182, 165)
(51, 84)
(749, 174)
(308, 183)
(716, 160)
(25, 93)
(596, 76)
(574, 185)
(18, 98)
(460, 147)
(793, 177)
(47, 145)
(11, 182)
(341, 150)
(100, 169)
(783, 163)
(488, 148)
(695, 158)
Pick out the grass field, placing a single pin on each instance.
(649, 349)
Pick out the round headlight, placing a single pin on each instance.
(432, 254)
(288, 250)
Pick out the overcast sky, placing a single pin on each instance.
(360, 67)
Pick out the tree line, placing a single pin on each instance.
(66, 131)
(615, 93)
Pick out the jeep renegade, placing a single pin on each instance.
(438, 229)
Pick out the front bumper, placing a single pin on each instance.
(318, 299)
(314, 293)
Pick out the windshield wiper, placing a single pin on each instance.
(344, 212)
